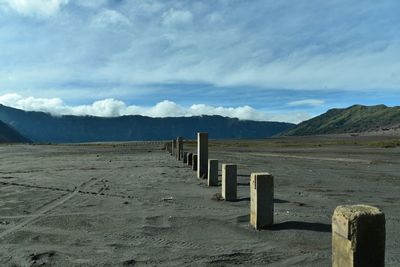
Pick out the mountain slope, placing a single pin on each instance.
(9, 135)
(43, 127)
(355, 119)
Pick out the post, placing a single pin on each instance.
(202, 155)
(212, 176)
(358, 236)
(189, 159)
(173, 148)
(185, 157)
(194, 166)
(179, 147)
(229, 182)
(261, 200)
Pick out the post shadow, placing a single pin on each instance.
(296, 225)
(292, 225)
(241, 199)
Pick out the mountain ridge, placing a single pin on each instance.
(353, 119)
(9, 135)
(44, 127)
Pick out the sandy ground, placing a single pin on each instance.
(133, 204)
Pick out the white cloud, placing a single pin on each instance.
(306, 103)
(36, 7)
(177, 17)
(113, 108)
(110, 17)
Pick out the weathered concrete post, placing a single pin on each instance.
(202, 155)
(261, 200)
(170, 147)
(179, 147)
(185, 157)
(189, 159)
(194, 165)
(212, 176)
(229, 182)
(358, 236)
(173, 148)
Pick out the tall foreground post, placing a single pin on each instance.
(202, 155)
(229, 182)
(261, 200)
(179, 147)
(212, 176)
(358, 236)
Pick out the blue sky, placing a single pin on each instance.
(263, 60)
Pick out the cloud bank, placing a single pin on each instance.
(113, 108)
(306, 102)
(307, 45)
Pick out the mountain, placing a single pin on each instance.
(9, 135)
(355, 119)
(43, 127)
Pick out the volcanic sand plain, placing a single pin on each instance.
(133, 204)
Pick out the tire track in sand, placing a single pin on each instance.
(47, 208)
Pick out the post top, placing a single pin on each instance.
(228, 164)
(261, 174)
(352, 212)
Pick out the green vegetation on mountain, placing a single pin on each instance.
(355, 119)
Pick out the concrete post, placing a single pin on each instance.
(358, 236)
(194, 165)
(212, 176)
(185, 157)
(189, 159)
(179, 147)
(229, 182)
(169, 147)
(202, 155)
(173, 148)
(261, 200)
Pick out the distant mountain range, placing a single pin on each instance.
(43, 127)
(22, 126)
(9, 135)
(355, 119)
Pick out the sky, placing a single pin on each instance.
(251, 59)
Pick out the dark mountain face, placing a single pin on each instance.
(43, 127)
(9, 135)
(355, 119)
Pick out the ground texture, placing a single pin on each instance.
(127, 204)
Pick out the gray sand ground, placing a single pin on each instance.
(133, 204)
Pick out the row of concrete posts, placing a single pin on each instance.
(358, 231)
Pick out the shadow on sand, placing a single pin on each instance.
(292, 225)
(241, 199)
(296, 225)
